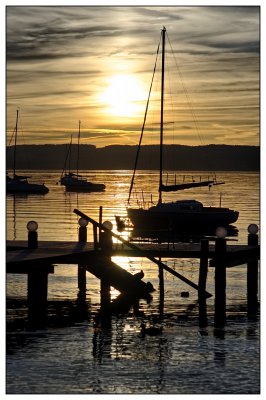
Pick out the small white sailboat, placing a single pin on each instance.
(19, 183)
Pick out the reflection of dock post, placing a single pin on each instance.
(106, 247)
(37, 296)
(203, 271)
(81, 268)
(220, 278)
(161, 287)
(252, 273)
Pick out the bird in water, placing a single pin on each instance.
(151, 331)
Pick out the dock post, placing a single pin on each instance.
(37, 296)
(81, 268)
(252, 273)
(220, 278)
(106, 243)
(83, 230)
(95, 237)
(203, 272)
(100, 221)
(32, 227)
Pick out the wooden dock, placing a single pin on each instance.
(37, 259)
(19, 256)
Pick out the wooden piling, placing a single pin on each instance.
(203, 272)
(32, 240)
(82, 234)
(100, 222)
(37, 296)
(82, 237)
(252, 279)
(95, 237)
(105, 289)
(81, 278)
(220, 283)
(32, 227)
(106, 242)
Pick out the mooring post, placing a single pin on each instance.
(82, 230)
(32, 227)
(203, 272)
(95, 237)
(100, 222)
(106, 237)
(82, 236)
(252, 273)
(220, 278)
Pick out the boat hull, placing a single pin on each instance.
(181, 220)
(30, 188)
(86, 187)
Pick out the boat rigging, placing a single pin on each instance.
(19, 183)
(180, 214)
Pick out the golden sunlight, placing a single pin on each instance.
(124, 96)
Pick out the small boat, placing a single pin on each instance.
(181, 215)
(20, 183)
(74, 182)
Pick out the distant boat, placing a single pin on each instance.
(19, 183)
(74, 182)
(180, 215)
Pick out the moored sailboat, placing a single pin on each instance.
(74, 181)
(180, 215)
(19, 183)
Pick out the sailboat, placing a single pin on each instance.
(75, 182)
(181, 215)
(20, 183)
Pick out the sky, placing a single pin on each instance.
(94, 64)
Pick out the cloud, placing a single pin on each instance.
(58, 59)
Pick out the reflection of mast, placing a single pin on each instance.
(69, 158)
(161, 123)
(15, 147)
(78, 151)
(14, 218)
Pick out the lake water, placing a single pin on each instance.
(76, 353)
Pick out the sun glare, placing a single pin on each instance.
(124, 96)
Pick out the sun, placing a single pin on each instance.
(123, 96)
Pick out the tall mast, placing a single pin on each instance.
(78, 151)
(15, 148)
(161, 124)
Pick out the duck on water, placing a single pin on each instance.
(151, 331)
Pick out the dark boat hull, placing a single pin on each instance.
(86, 187)
(186, 220)
(30, 188)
